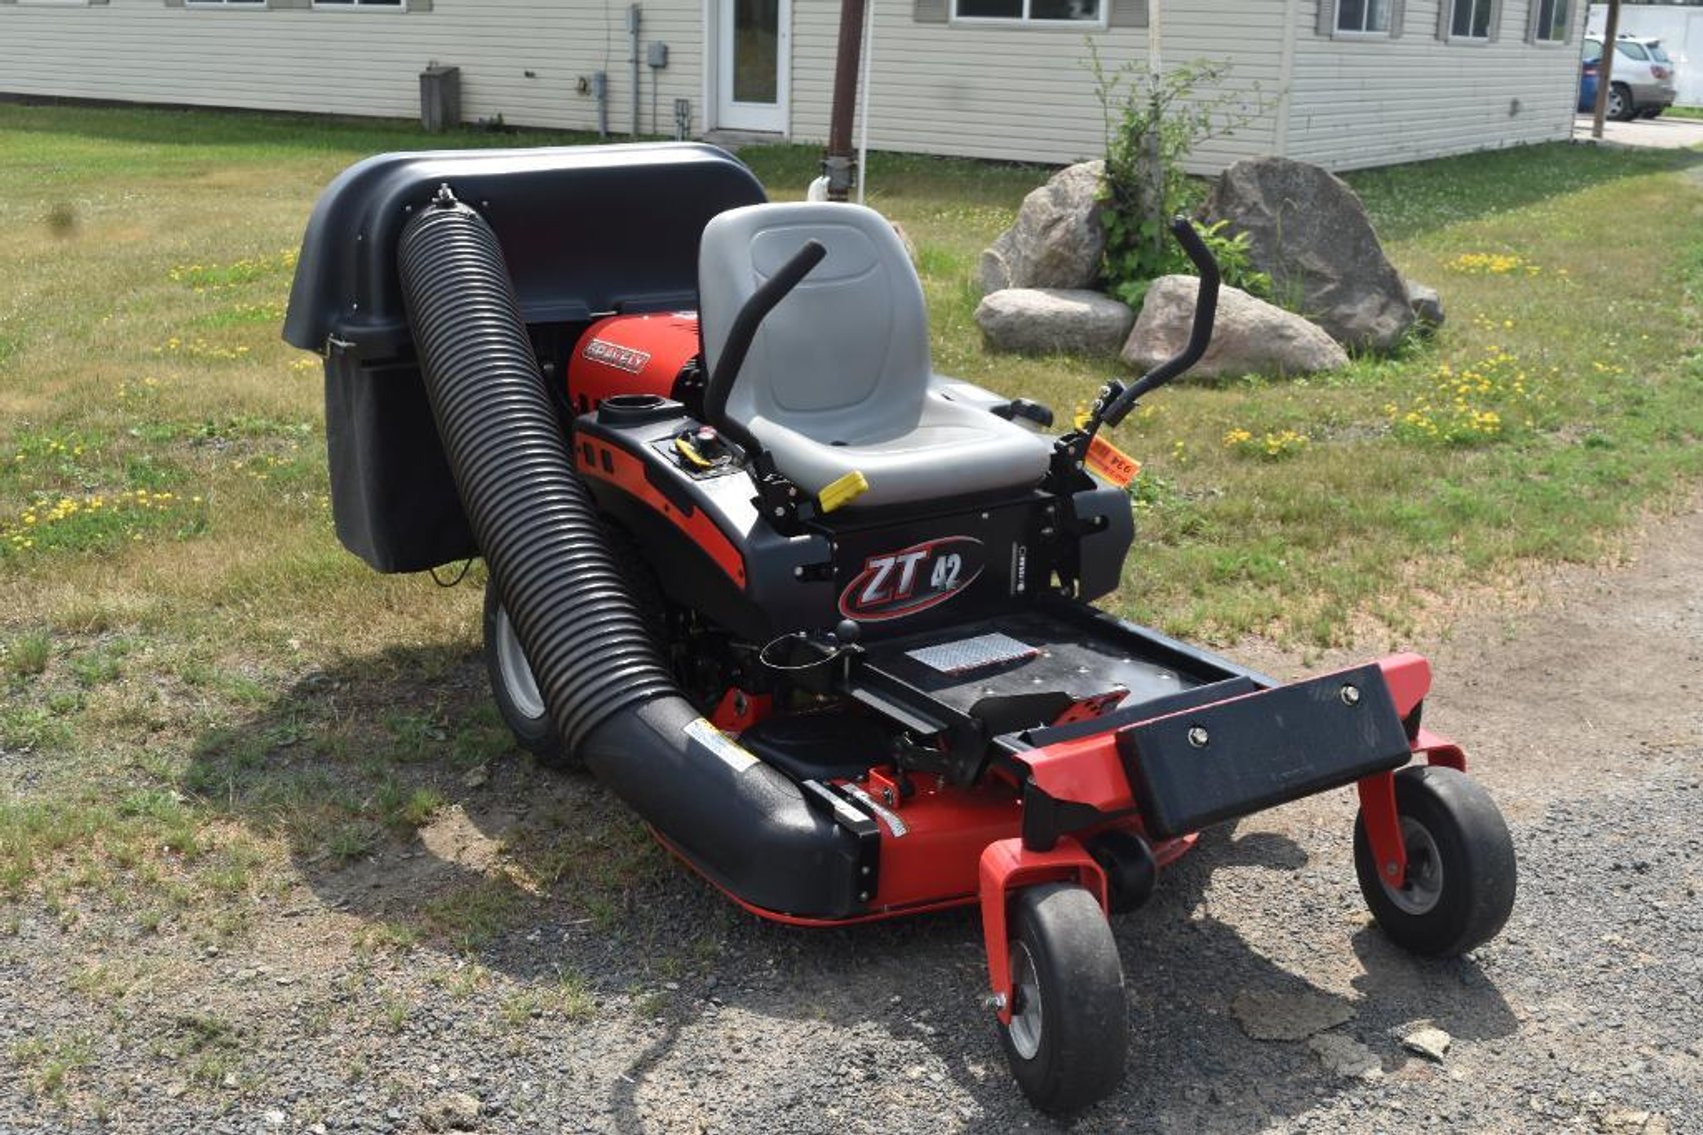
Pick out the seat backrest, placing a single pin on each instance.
(844, 357)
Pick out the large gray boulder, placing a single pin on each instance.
(1047, 320)
(1057, 241)
(1310, 232)
(1249, 336)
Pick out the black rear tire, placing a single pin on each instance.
(1069, 1027)
(515, 690)
(1461, 872)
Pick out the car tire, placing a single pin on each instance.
(1620, 105)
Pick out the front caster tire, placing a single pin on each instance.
(515, 690)
(1069, 1026)
(1460, 881)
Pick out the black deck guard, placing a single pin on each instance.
(1255, 752)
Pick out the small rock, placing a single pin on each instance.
(1424, 1038)
(452, 1111)
(1271, 1015)
(1625, 1119)
(274, 1118)
(1426, 302)
(176, 1089)
(1345, 1056)
(475, 777)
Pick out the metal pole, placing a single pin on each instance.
(1155, 170)
(1605, 65)
(838, 163)
(863, 104)
(633, 31)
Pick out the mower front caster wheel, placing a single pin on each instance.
(515, 690)
(1068, 1027)
(1460, 880)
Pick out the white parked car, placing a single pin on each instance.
(1642, 85)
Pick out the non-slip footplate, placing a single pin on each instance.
(1030, 655)
(963, 655)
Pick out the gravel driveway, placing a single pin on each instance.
(1582, 718)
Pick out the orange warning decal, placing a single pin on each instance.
(1112, 463)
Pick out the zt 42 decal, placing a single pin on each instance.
(895, 584)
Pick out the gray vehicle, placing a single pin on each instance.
(1642, 85)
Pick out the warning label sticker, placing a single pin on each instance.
(1112, 463)
(719, 743)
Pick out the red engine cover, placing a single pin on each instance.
(631, 354)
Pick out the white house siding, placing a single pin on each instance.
(1356, 103)
(355, 62)
(1020, 93)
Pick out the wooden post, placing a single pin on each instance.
(1605, 67)
(838, 163)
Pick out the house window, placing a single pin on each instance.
(1553, 18)
(394, 5)
(226, 3)
(1029, 11)
(1363, 15)
(1470, 19)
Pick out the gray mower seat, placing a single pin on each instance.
(838, 377)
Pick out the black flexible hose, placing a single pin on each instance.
(535, 521)
(738, 820)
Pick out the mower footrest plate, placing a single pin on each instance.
(1240, 756)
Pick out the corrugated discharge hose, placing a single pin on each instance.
(740, 821)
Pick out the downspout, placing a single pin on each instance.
(633, 34)
(1285, 79)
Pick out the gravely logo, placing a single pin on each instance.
(629, 359)
(895, 584)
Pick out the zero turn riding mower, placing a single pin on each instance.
(818, 615)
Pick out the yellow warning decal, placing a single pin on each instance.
(1111, 463)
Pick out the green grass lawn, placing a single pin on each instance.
(200, 684)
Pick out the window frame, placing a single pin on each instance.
(1536, 32)
(1341, 32)
(1330, 15)
(1099, 23)
(1492, 21)
(397, 6)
